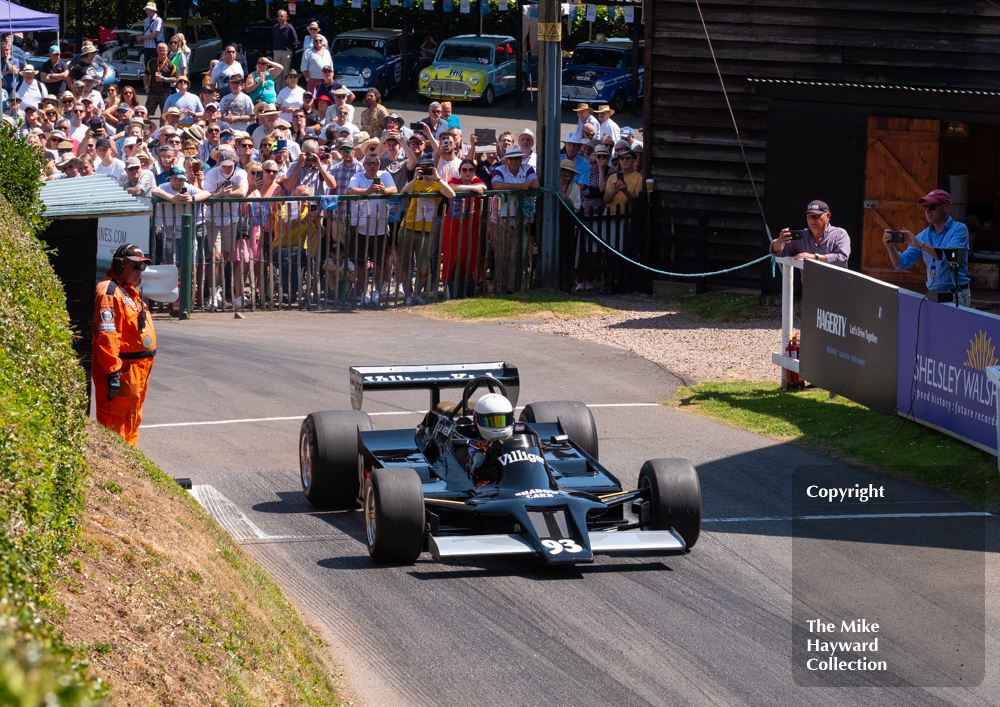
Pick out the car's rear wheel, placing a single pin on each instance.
(383, 88)
(574, 417)
(489, 96)
(674, 496)
(394, 515)
(328, 456)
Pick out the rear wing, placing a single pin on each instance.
(434, 378)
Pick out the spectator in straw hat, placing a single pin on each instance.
(569, 190)
(31, 91)
(188, 104)
(267, 114)
(152, 32)
(606, 126)
(585, 116)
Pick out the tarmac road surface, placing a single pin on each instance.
(710, 627)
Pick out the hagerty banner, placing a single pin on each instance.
(849, 335)
(942, 355)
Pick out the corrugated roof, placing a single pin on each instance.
(874, 86)
(89, 197)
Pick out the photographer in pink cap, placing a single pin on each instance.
(942, 232)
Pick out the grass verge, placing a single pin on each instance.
(168, 609)
(722, 307)
(533, 305)
(851, 432)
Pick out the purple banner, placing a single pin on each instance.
(941, 377)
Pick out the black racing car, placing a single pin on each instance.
(553, 499)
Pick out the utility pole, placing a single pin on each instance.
(549, 123)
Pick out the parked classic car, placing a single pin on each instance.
(601, 72)
(367, 58)
(202, 39)
(469, 68)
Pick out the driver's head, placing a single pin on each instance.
(494, 416)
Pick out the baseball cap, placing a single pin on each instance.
(54, 49)
(102, 142)
(226, 157)
(936, 196)
(132, 162)
(89, 49)
(817, 207)
(133, 253)
(396, 116)
(573, 138)
(130, 141)
(627, 132)
(78, 84)
(211, 104)
(177, 173)
(345, 142)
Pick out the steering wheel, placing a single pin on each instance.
(492, 383)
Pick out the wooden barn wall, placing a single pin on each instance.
(692, 146)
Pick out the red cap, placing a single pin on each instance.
(133, 253)
(938, 196)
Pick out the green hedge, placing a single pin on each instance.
(42, 467)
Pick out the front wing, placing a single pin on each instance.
(567, 550)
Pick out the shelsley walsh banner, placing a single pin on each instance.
(941, 379)
(849, 335)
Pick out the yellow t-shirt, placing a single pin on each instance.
(420, 215)
(633, 182)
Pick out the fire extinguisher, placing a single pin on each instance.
(792, 350)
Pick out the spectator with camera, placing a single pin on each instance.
(821, 241)
(942, 232)
(418, 226)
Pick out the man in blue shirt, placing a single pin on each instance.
(941, 232)
(285, 41)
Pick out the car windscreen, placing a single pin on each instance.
(464, 53)
(368, 48)
(604, 58)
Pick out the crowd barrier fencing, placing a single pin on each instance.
(342, 252)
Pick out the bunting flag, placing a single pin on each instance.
(394, 3)
(629, 15)
(533, 11)
(484, 7)
(591, 13)
(356, 4)
(502, 6)
(464, 7)
(338, 3)
(428, 4)
(376, 4)
(407, 3)
(319, 2)
(448, 5)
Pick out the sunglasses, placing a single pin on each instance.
(271, 171)
(173, 142)
(132, 169)
(627, 158)
(214, 130)
(371, 164)
(931, 207)
(226, 138)
(341, 112)
(467, 169)
(346, 150)
(272, 146)
(247, 145)
(137, 266)
(190, 150)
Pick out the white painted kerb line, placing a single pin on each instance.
(853, 516)
(373, 414)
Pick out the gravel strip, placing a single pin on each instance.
(697, 350)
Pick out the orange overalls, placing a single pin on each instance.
(125, 343)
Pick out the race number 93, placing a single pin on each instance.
(554, 547)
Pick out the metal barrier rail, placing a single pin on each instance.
(341, 252)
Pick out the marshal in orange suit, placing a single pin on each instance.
(124, 344)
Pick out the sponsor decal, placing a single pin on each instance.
(110, 328)
(534, 493)
(147, 341)
(519, 456)
(830, 323)
(107, 315)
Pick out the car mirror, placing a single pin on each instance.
(558, 439)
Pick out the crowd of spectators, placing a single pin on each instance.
(243, 137)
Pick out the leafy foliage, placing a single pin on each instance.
(20, 167)
(42, 467)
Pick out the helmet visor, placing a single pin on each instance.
(497, 420)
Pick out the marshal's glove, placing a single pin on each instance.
(114, 384)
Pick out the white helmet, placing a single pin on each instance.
(494, 416)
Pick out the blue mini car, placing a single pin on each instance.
(372, 58)
(601, 72)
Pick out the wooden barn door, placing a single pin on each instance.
(902, 166)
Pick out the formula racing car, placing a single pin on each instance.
(551, 498)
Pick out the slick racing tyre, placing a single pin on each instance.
(328, 456)
(394, 515)
(674, 496)
(574, 417)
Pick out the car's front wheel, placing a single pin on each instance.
(328, 456)
(394, 515)
(489, 96)
(617, 102)
(674, 496)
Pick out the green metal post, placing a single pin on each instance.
(187, 251)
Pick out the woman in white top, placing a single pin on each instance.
(291, 96)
